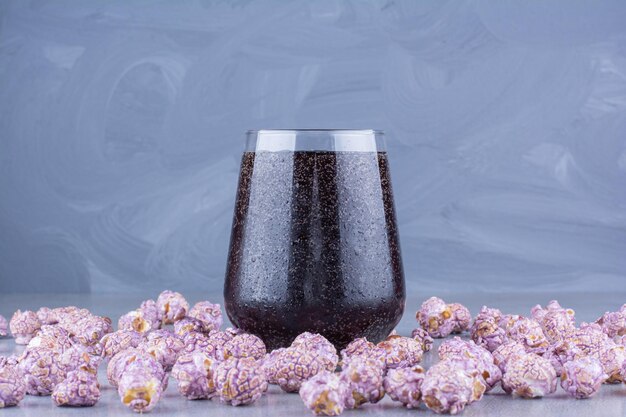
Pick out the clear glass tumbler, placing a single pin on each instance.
(314, 244)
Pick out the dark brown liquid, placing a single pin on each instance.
(314, 247)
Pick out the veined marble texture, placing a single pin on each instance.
(122, 125)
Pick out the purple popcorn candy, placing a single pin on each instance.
(187, 325)
(194, 374)
(269, 365)
(139, 388)
(12, 384)
(315, 341)
(613, 323)
(401, 352)
(508, 320)
(435, 316)
(114, 343)
(582, 378)
(529, 376)
(556, 324)
(146, 318)
(472, 357)
(218, 339)
(119, 363)
(4, 326)
(460, 316)
(363, 379)
(502, 354)
(172, 306)
(486, 312)
(41, 370)
(78, 357)
(447, 389)
(239, 381)
(295, 365)
(52, 337)
(79, 389)
(90, 330)
(47, 316)
(561, 353)
(404, 385)
(198, 341)
(530, 334)
(422, 337)
(209, 314)
(589, 338)
(358, 346)
(244, 346)
(324, 394)
(23, 326)
(133, 320)
(485, 332)
(538, 313)
(164, 346)
(612, 358)
(361, 347)
(319, 345)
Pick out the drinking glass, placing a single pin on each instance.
(314, 244)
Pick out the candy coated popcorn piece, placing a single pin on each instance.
(113, 343)
(401, 352)
(139, 388)
(529, 376)
(187, 325)
(613, 323)
(435, 316)
(209, 314)
(239, 381)
(324, 394)
(422, 337)
(296, 365)
(612, 357)
(404, 385)
(79, 389)
(469, 356)
(164, 346)
(320, 345)
(530, 334)
(172, 306)
(244, 346)
(485, 332)
(582, 378)
(24, 325)
(461, 317)
(78, 357)
(194, 374)
(120, 362)
(364, 382)
(12, 384)
(504, 351)
(41, 370)
(447, 389)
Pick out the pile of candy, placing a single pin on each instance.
(525, 355)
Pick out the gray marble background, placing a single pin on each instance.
(122, 122)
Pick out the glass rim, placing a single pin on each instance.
(307, 130)
(333, 140)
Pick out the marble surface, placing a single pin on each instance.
(122, 123)
(610, 402)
